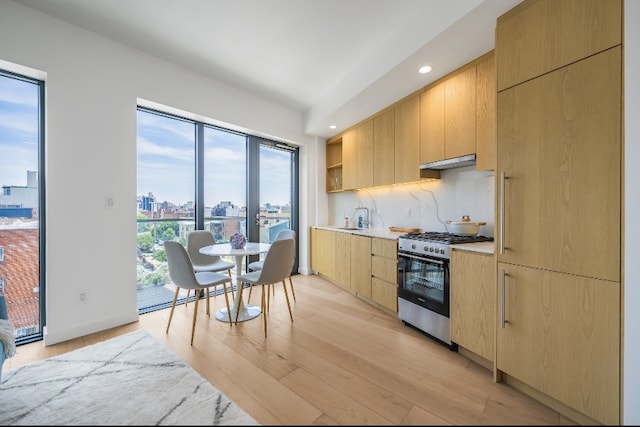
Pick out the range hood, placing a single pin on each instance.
(454, 162)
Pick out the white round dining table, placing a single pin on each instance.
(245, 311)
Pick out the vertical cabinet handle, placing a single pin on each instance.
(502, 315)
(502, 181)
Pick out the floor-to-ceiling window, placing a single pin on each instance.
(21, 203)
(193, 175)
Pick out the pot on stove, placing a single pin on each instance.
(464, 227)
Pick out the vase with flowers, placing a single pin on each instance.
(238, 240)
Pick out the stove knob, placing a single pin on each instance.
(413, 246)
(431, 249)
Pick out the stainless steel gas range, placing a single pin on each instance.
(423, 281)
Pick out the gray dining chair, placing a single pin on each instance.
(276, 268)
(183, 276)
(257, 265)
(198, 239)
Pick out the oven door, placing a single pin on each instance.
(424, 281)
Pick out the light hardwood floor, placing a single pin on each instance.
(341, 361)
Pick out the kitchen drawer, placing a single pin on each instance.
(385, 294)
(384, 268)
(384, 247)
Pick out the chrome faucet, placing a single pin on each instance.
(365, 222)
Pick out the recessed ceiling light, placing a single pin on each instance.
(332, 126)
(425, 69)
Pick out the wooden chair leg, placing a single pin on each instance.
(233, 294)
(241, 286)
(173, 306)
(286, 294)
(208, 304)
(264, 313)
(226, 298)
(193, 325)
(292, 291)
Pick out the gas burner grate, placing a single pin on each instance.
(443, 237)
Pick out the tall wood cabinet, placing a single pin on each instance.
(559, 210)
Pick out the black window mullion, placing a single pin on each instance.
(253, 188)
(200, 154)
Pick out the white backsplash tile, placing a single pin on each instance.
(426, 205)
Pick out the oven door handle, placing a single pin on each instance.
(422, 258)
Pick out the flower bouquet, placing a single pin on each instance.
(238, 240)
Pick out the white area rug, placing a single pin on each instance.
(132, 379)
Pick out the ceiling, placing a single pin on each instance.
(334, 61)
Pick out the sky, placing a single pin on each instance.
(18, 130)
(166, 159)
(166, 154)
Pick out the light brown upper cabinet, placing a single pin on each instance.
(531, 41)
(334, 164)
(384, 148)
(364, 154)
(448, 117)
(460, 114)
(407, 140)
(486, 113)
(432, 124)
(349, 161)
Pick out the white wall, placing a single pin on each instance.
(92, 88)
(631, 298)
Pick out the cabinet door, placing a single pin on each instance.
(536, 37)
(323, 245)
(432, 124)
(472, 295)
(460, 114)
(364, 156)
(342, 255)
(407, 140)
(486, 114)
(559, 148)
(384, 148)
(562, 336)
(361, 265)
(349, 161)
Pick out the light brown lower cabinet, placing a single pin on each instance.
(366, 266)
(472, 296)
(560, 334)
(323, 246)
(361, 265)
(384, 273)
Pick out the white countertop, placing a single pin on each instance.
(483, 247)
(385, 233)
